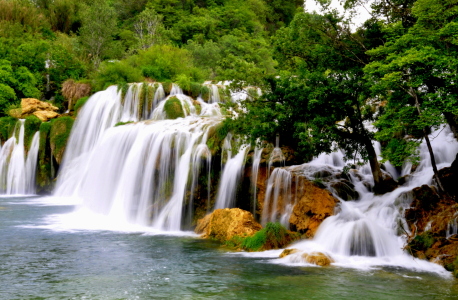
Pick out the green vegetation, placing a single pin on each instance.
(79, 104)
(31, 126)
(44, 170)
(422, 242)
(59, 134)
(272, 236)
(123, 123)
(173, 108)
(7, 125)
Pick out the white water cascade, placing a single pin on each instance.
(144, 172)
(277, 205)
(17, 175)
(369, 231)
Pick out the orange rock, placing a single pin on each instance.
(317, 258)
(223, 224)
(30, 105)
(45, 116)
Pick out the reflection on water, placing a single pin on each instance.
(38, 262)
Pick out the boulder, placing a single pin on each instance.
(223, 224)
(313, 205)
(345, 190)
(30, 105)
(287, 252)
(45, 116)
(317, 258)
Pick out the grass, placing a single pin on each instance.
(272, 236)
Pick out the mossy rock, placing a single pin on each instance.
(197, 106)
(123, 123)
(31, 126)
(59, 134)
(205, 93)
(45, 174)
(80, 103)
(173, 108)
(167, 86)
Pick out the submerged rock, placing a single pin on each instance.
(287, 252)
(317, 258)
(223, 224)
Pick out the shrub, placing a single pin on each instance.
(118, 72)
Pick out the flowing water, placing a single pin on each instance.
(50, 252)
(133, 172)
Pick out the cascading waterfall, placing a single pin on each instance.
(17, 175)
(277, 205)
(254, 175)
(369, 227)
(145, 172)
(230, 179)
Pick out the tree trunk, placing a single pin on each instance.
(428, 143)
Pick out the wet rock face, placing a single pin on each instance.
(345, 190)
(449, 179)
(223, 224)
(429, 218)
(313, 205)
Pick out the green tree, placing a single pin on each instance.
(99, 25)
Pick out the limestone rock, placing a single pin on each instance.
(314, 205)
(45, 116)
(317, 258)
(287, 252)
(30, 105)
(223, 224)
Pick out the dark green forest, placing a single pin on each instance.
(323, 80)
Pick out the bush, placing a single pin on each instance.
(7, 127)
(272, 236)
(111, 73)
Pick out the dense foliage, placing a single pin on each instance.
(324, 79)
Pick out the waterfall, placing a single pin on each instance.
(254, 175)
(144, 172)
(17, 176)
(373, 225)
(229, 180)
(277, 206)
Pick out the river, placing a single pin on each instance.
(47, 252)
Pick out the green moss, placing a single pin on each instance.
(198, 107)
(422, 241)
(272, 236)
(59, 134)
(224, 94)
(173, 108)
(31, 126)
(44, 171)
(194, 90)
(167, 85)
(123, 87)
(216, 137)
(80, 104)
(123, 123)
(7, 125)
(205, 93)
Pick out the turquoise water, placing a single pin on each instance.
(38, 262)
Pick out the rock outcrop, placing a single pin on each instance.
(223, 224)
(314, 204)
(29, 106)
(429, 219)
